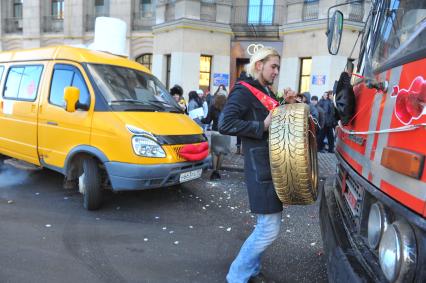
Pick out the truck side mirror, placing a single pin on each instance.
(71, 97)
(334, 32)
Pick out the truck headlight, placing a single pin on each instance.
(398, 252)
(377, 223)
(146, 147)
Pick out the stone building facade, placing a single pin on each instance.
(197, 43)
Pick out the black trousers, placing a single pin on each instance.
(326, 132)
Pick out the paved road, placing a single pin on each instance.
(185, 234)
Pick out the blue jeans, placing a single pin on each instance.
(247, 263)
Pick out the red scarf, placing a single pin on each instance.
(266, 100)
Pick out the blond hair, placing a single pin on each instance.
(263, 54)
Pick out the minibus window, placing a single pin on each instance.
(127, 89)
(61, 79)
(13, 81)
(22, 82)
(63, 76)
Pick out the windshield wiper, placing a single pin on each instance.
(127, 100)
(139, 105)
(164, 104)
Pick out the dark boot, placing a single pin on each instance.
(215, 175)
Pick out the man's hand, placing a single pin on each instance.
(267, 122)
(289, 95)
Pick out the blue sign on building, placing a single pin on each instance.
(220, 79)
(318, 79)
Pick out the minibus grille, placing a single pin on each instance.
(176, 149)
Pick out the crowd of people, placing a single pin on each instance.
(204, 108)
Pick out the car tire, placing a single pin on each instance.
(293, 154)
(89, 184)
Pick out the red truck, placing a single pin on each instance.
(373, 209)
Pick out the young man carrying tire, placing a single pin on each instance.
(246, 116)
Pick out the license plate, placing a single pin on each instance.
(191, 175)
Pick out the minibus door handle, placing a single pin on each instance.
(53, 123)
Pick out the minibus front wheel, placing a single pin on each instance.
(89, 184)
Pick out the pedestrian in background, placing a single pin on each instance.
(219, 144)
(246, 116)
(177, 93)
(312, 109)
(195, 107)
(319, 125)
(221, 90)
(329, 122)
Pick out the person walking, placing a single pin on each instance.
(220, 144)
(327, 105)
(246, 116)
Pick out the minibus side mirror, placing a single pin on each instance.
(71, 97)
(334, 32)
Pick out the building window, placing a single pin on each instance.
(17, 9)
(260, 12)
(305, 74)
(146, 60)
(205, 71)
(168, 67)
(145, 8)
(58, 9)
(310, 10)
(101, 7)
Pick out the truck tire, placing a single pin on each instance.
(293, 154)
(89, 184)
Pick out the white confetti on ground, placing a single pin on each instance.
(37, 194)
(10, 201)
(157, 217)
(164, 228)
(288, 231)
(313, 244)
(191, 227)
(288, 215)
(48, 225)
(176, 243)
(228, 229)
(145, 239)
(65, 198)
(171, 232)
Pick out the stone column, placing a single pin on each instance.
(189, 9)
(32, 23)
(74, 22)
(123, 11)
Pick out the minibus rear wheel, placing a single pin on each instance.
(89, 184)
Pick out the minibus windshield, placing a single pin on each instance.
(127, 89)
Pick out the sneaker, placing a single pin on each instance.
(260, 278)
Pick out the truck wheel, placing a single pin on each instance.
(293, 154)
(89, 184)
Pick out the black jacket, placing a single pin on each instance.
(212, 115)
(243, 116)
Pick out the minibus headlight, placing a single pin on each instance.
(377, 223)
(146, 147)
(398, 252)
